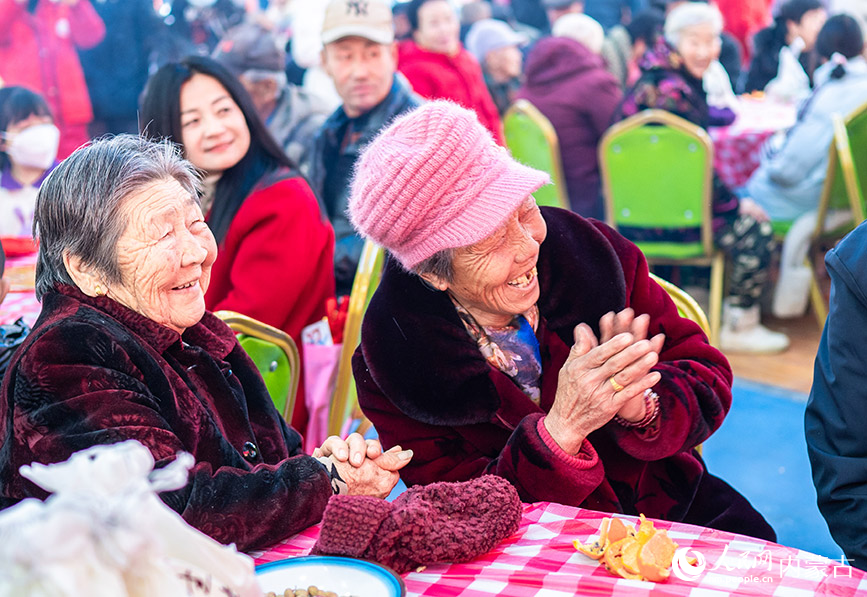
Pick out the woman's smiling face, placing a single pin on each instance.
(495, 279)
(213, 128)
(165, 256)
(699, 45)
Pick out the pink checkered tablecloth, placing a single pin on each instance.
(737, 148)
(21, 300)
(540, 561)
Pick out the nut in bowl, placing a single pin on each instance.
(341, 576)
(645, 554)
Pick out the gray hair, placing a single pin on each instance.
(78, 208)
(254, 75)
(689, 15)
(582, 28)
(439, 264)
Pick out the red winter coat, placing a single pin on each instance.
(276, 264)
(424, 384)
(39, 51)
(458, 78)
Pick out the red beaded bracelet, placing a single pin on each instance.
(651, 411)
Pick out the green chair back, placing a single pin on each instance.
(656, 173)
(274, 366)
(532, 140)
(856, 130)
(842, 189)
(274, 354)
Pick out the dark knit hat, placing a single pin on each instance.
(440, 522)
(249, 46)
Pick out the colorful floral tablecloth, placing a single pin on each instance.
(738, 147)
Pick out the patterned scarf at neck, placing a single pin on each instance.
(513, 349)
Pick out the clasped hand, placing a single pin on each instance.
(362, 464)
(587, 398)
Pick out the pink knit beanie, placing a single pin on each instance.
(433, 180)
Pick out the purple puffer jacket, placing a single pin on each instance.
(570, 85)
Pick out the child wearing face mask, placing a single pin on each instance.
(28, 152)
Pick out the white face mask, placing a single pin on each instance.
(35, 146)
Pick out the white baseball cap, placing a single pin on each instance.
(370, 19)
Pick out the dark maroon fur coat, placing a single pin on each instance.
(424, 384)
(94, 372)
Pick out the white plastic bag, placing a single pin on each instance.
(718, 87)
(105, 533)
(791, 83)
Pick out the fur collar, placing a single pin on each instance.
(423, 360)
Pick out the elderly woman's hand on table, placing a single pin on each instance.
(603, 377)
(362, 464)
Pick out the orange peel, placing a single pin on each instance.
(645, 554)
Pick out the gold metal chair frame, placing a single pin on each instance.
(688, 308)
(686, 305)
(242, 324)
(712, 257)
(840, 153)
(344, 401)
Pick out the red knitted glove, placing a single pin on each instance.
(441, 522)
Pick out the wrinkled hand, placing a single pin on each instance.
(354, 449)
(586, 399)
(375, 476)
(748, 207)
(625, 321)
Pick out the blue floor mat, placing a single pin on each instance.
(760, 450)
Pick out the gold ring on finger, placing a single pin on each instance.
(617, 387)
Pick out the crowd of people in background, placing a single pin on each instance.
(314, 97)
(274, 103)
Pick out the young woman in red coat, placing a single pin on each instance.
(276, 251)
(439, 67)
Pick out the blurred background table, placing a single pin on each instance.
(738, 147)
(539, 560)
(21, 300)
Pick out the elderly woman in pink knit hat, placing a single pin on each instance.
(528, 343)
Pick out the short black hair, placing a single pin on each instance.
(646, 26)
(794, 10)
(17, 104)
(840, 34)
(412, 9)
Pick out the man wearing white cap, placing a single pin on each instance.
(496, 46)
(360, 55)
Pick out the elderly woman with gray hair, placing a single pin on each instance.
(672, 80)
(124, 349)
(528, 343)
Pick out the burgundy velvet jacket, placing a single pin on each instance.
(424, 384)
(94, 372)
